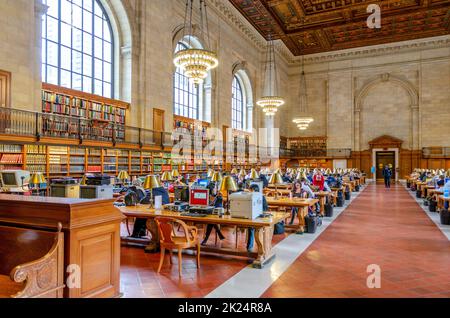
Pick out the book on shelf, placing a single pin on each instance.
(11, 159)
(11, 148)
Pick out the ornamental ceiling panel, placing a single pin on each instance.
(314, 26)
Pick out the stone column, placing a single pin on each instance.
(415, 127)
(36, 53)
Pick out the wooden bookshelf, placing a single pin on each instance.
(97, 113)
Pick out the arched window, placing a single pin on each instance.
(237, 105)
(77, 46)
(186, 95)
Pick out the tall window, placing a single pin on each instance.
(186, 95)
(237, 107)
(77, 46)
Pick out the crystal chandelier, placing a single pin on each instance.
(196, 63)
(271, 102)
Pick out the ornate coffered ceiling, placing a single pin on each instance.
(314, 26)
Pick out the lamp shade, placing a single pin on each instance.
(83, 180)
(276, 178)
(242, 173)
(123, 175)
(37, 178)
(151, 182)
(216, 177)
(228, 184)
(234, 171)
(210, 173)
(254, 174)
(175, 173)
(166, 176)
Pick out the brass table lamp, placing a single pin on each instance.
(123, 176)
(151, 182)
(228, 184)
(254, 174)
(275, 180)
(234, 171)
(36, 179)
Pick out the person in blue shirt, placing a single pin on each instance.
(387, 174)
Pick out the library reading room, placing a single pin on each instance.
(186, 149)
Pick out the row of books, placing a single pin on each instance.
(36, 159)
(10, 148)
(36, 149)
(11, 159)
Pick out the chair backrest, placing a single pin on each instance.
(167, 231)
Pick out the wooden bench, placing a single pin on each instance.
(31, 263)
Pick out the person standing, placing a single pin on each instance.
(387, 174)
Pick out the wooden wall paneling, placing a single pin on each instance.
(5, 89)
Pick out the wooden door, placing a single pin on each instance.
(158, 124)
(385, 158)
(5, 100)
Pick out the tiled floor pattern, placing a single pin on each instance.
(385, 227)
(139, 277)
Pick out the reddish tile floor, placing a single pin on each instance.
(140, 280)
(384, 227)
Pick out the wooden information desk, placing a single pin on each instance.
(91, 237)
(301, 204)
(263, 230)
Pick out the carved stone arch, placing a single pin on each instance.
(240, 70)
(125, 34)
(414, 107)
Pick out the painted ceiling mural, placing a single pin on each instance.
(314, 26)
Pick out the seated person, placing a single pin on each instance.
(319, 180)
(297, 192)
(218, 203)
(264, 180)
(251, 231)
(139, 228)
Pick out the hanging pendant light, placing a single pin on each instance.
(271, 102)
(196, 63)
(303, 121)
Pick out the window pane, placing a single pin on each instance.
(107, 90)
(66, 58)
(65, 79)
(98, 69)
(98, 89)
(52, 53)
(87, 65)
(52, 29)
(107, 51)
(87, 22)
(76, 81)
(44, 26)
(87, 43)
(76, 62)
(98, 48)
(87, 4)
(53, 7)
(107, 72)
(87, 84)
(66, 34)
(76, 17)
(98, 27)
(78, 2)
(52, 75)
(106, 31)
(77, 39)
(66, 11)
(44, 51)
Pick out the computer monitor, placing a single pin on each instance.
(203, 182)
(199, 197)
(14, 178)
(181, 193)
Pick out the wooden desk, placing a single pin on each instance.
(263, 230)
(91, 237)
(441, 202)
(420, 185)
(434, 193)
(286, 186)
(323, 195)
(301, 204)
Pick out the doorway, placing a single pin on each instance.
(385, 158)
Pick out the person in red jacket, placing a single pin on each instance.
(319, 180)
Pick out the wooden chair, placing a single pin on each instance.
(31, 263)
(169, 240)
